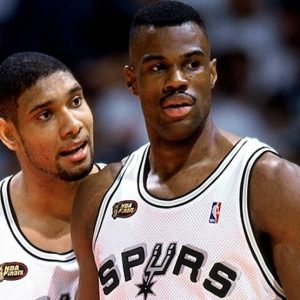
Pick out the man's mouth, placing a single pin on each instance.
(177, 100)
(177, 105)
(73, 149)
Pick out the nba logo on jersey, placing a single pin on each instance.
(215, 212)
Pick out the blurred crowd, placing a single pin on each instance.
(256, 43)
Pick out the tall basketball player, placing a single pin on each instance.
(198, 213)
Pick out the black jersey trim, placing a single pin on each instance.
(10, 211)
(100, 166)
(263, 150)
(168, 203)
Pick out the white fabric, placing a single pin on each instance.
(184, 248)
(27, 272)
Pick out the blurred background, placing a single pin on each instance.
(256, 43)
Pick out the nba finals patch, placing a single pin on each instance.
(124, 209)
(12, 271)
(215, 213)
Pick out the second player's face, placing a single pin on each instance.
(55, 128)
(173, 76)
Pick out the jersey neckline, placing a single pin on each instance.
(189, 196)
(17, 233)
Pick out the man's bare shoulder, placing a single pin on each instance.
(89, 195)
(275, 191)
(275, 210)
(94, 183)
(271, 169)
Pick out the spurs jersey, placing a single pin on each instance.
(197, 246)
(27, 272)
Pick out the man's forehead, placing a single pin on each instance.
(185, 38)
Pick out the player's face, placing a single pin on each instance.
(173, 76)
(55, 128)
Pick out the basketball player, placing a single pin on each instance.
(46, 121)
(198, 213)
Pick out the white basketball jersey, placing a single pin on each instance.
(27, 272)
(197, 246)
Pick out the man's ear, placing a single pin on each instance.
(7, 134)
(130, 79)
(213, 73)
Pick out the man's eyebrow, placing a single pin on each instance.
(41, 106)
(151, 57)
(197, 52)
(76, 88)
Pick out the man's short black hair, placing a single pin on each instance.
(18, 73)
(165, 13)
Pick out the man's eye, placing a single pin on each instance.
(44, 115)
(76, 101)
(158, 67)
(193, 64)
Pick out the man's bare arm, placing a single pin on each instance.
(85, 209)
(275, 207)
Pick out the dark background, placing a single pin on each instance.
(256, 42)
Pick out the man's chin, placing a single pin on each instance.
(75, 175)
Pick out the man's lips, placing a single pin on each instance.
(177, 105)
(73, 149)
(177, 100)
